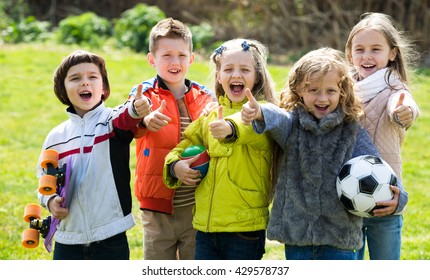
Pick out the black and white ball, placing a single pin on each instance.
(362, 181)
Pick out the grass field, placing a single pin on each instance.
(29, 109)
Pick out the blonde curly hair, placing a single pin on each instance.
(314, 65)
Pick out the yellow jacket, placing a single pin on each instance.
(233, 196)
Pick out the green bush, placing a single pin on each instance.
(26, 30)
(133, 27)
(85, 29)
(203, 35)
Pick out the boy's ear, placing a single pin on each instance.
(191, 58)
(150, 59)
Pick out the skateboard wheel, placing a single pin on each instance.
(47, 184)
(49, 157)
(30, 238)
(32, 211)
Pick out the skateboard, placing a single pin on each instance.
(55, 180)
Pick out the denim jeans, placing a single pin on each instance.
(113, 248)
(383, 236)
(230, 245)
(318, 253)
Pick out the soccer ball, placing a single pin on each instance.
(363, 181)
(202, 164)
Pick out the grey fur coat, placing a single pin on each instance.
(306, 209)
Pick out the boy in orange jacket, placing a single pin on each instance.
(176, 101)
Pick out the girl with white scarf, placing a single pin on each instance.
(380, 56)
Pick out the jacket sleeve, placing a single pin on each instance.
(172, 157)
(277, 121)
(246, 134)
(365, 146)
(125, 118)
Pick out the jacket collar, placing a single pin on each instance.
(75, 117)
(162, 84)
(224, 101)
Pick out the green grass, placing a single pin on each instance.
(29, 109)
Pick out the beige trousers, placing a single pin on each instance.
(169, 237)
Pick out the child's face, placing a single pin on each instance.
(370, 52)
(84, 87)
(322, 96)
(236, 73)
(172, 59)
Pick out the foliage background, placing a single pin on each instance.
(29, 108)
(286, 26)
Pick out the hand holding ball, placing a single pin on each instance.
(202, 163)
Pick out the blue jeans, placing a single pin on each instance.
(384, 237)
(113, 248)
(230, 245)
(318, 253)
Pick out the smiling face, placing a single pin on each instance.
(321, 95)
(370, 52)
(236, 73)
(172, 59)
(84, 87)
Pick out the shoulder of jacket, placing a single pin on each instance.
(202, 88)
(148, 84)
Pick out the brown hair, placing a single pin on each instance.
(314, 65)
(78, 57)
(169, 28)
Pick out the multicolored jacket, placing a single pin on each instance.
(99, 147)
(152, 147)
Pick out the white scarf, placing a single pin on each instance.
(369, 87)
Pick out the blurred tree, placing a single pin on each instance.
(284, 25)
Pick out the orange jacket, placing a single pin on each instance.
(152, 147)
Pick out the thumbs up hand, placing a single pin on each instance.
(141, 104)
(250, 110)
(220, 128)
(157, 119)
(403, 114)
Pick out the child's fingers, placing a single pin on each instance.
(162, 106)
(401, 99)
(252, 101)
(139, 93)
(220, 116)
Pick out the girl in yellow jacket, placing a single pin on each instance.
(232, 200)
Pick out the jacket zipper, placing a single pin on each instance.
(81, 154)
(211, 199)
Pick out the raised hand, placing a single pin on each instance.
(141, 104)
(404, 113)
(220, 128)
(157, 119)
(250, 110)
(185, 173)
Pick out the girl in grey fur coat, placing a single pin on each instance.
(318, 128)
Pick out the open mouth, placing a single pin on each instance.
(368, 67)
(175, 71)
(321, 108)
(236, 88)
(85, 95)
